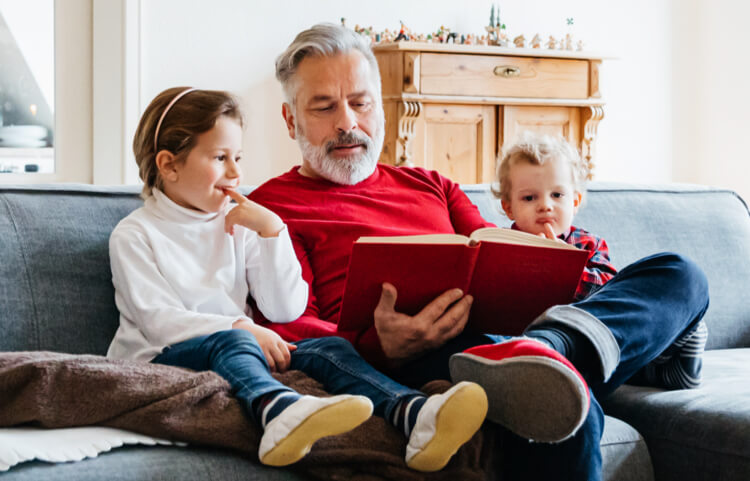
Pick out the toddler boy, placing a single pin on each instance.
(541, 184)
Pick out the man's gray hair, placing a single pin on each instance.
(323, 39)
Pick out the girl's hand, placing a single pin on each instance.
(251, 215)
(275, 349)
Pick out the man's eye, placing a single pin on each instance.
(221, 158)
(325, 108)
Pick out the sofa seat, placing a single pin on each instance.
(624, 452)
(700, 434)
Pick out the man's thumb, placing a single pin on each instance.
(388, 297)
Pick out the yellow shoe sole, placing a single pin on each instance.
(331, 420)
(458, 419)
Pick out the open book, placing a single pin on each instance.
(513, 276)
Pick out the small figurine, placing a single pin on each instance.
(502, 40)
(520, 41)
(402, 34)
(469, 39)
(552, 43)
(483, 40)
(536, 42)
(568, 42)
(343, 23)
(579, 45)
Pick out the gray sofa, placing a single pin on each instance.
(56, 294)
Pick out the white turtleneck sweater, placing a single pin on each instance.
(178, 275)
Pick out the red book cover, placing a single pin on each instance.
(511, 282)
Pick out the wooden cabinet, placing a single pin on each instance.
(452, 107)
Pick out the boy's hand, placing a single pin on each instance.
(251, 215)
(275, 349)
(549, 233)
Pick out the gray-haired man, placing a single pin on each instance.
(334, 110)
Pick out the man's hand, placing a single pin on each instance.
(404, 337)
(275, 349)
(251, 215)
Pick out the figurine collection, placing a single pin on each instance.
(495, 34)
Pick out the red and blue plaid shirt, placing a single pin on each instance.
(598, 268)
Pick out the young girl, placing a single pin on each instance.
(182, 267)
(541, 186)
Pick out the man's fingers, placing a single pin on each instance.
(454, 320)
(438, 306)
(234, 195)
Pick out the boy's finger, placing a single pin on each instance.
(549, 230)
(291, 347)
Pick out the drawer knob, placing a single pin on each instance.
(507, 71)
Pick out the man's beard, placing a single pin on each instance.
(348, 170)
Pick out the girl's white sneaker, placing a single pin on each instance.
(445, 422)
(289, 436)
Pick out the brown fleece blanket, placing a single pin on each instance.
(54, 390)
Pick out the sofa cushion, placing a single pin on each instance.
(710, 226)
(154, 463)
(625, 456)
(699, 434)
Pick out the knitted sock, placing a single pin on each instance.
(680, 365)
(569, 342)
(405, 413)
(270, 405)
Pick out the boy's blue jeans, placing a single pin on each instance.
(647, 306)
(236, 356)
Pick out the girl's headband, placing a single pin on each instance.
(164, 114)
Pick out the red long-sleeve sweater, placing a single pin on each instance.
(324, 219)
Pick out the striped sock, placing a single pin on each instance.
(270, 405)
(405, 413)
(679, 367)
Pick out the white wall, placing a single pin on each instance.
(233, 43)
(711, 97)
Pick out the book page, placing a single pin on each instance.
(512, 236)
(416, 239)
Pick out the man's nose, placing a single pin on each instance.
(346, 120)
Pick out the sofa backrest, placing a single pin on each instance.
(710, 226)
(56, 290)
(55, 282)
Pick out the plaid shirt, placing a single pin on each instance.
(598, 268)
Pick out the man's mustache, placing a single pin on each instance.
(348, 138)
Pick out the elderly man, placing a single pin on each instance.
(543, 386)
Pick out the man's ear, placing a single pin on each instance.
(577, 198)
(165, 162)
(286, 112)
(506, 208)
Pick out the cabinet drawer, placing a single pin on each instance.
(503, 76)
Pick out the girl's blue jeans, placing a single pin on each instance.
(236, 356)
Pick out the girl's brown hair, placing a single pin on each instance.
(191, 115)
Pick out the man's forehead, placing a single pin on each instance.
(332, 76)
